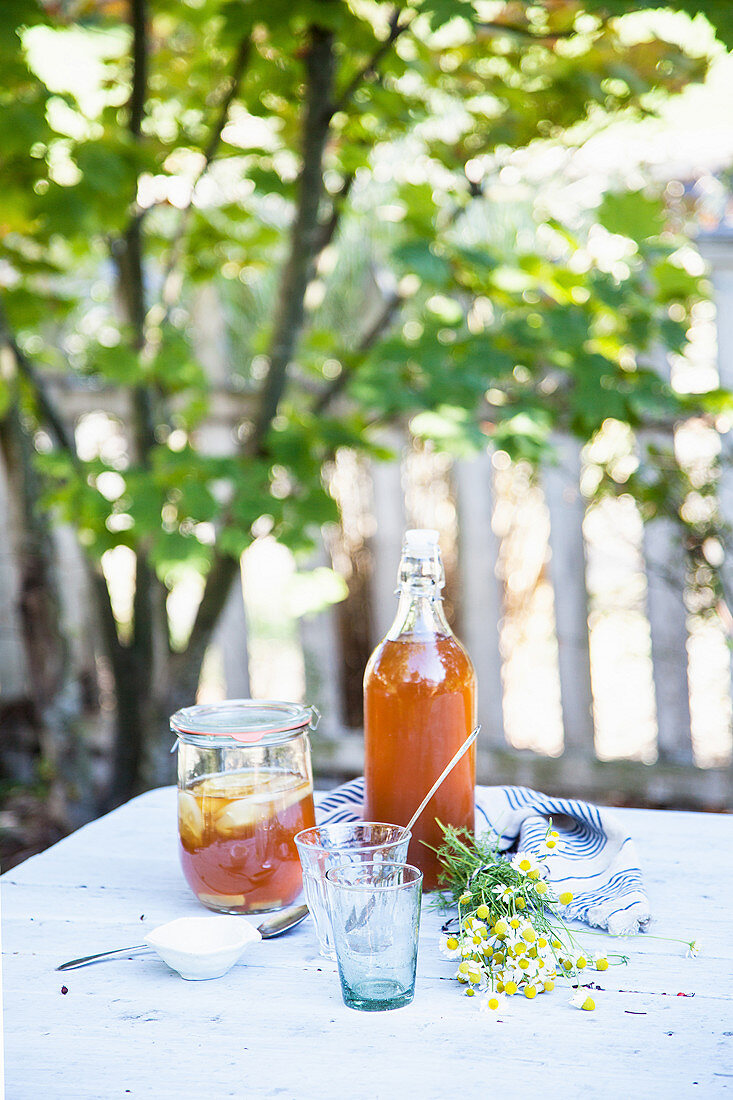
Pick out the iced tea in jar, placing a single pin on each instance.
(245, 788)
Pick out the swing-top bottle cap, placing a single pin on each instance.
(421, 563)
(421, 542)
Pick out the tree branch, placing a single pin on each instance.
(49, 414)
(524, 32)
(328, 228)
(186, 666)
(138, 94)
(64, 440)
(172, 276)
(305, 230)
(390, 307)
(241, 59)
(308, 238)
(305, 234)
(369, 69)
(128, 251)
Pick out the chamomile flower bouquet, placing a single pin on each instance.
(509, 937)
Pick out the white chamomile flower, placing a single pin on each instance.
(552, 844)
(492, 1002)
(583, 1000)
(504, 893)
(693, 949)
(470, 971)
(527, 932)
(450, 947)
(527, 865)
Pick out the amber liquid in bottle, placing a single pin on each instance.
(419, 708)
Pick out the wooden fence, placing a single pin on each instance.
(673, 777)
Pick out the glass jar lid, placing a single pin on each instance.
(248, 721)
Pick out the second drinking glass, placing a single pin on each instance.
(326, 846)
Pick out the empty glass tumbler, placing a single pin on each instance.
(375, 920)
(327, 846)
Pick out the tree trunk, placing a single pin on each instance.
(44, 725)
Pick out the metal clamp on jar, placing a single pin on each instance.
(245, 788)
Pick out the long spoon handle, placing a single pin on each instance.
(446, 771)
(72, 963)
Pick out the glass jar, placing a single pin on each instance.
(245, 788)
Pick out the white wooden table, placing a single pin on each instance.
(275, 1025)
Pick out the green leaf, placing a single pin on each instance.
(632, 214)
(451, 429)
(422, 259)
(674, 282)
(440, 12)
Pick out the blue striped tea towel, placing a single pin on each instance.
(597, 861)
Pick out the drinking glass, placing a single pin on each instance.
(325, 846)
(375, 920)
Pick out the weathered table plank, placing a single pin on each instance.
(275, 1025)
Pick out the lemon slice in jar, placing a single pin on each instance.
(190, 820)
(228, 786)
(274, 795)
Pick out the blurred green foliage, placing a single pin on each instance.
(420, 309)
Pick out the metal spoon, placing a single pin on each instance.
(359, 920)
(272, 926)
(446, 771)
